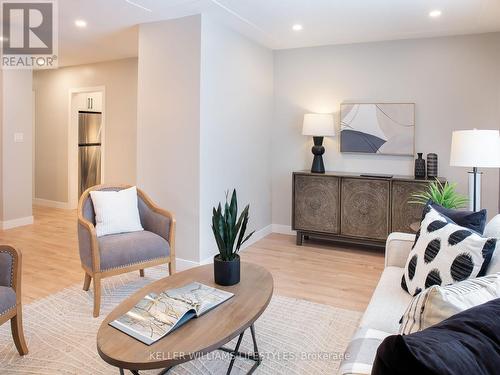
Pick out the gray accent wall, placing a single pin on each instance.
(236, 118)
(168, 118)
(454, 81)
(204, 118)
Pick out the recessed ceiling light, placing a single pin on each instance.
(80, 23)
(297, 27)
(435, 13)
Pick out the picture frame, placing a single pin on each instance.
(377, 128)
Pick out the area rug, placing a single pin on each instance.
(294, 336)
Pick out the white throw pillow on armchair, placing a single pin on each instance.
(116, 211)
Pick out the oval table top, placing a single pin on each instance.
(200, 335)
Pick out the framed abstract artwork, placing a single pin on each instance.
(378, 128)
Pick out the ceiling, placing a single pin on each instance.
(111, 32)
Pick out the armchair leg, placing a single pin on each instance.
(86, 282)
(171, 267)
(16, 324)
(141, 273)
(97, 295)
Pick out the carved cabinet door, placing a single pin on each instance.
(316, 203)
(365, 208)
(403, 213)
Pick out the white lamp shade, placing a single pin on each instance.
(475, 148)
(318, 125)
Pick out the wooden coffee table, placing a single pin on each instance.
(200, 335)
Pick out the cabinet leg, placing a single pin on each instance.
(300, 238)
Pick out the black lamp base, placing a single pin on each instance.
(318, 150)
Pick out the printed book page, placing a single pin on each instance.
(199, 296)
(156, 315)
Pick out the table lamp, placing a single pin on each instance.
(476, 149)
(318, 126)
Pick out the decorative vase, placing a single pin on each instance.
(432, 165)
(226, 272)
(419, 166)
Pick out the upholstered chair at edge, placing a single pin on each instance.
(10, 294)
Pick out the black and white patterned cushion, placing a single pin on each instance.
(445, 253)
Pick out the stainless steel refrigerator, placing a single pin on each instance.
(89, 150)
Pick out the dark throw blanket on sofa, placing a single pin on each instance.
(464, 344)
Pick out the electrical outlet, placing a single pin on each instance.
(18, 137)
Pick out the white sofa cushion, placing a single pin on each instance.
(492, 229)
(388, 302)
(439, 303)
(116, 211)
(361, 351)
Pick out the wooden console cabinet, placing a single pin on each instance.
(354, 209)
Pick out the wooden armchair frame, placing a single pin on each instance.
(15, 314)
(95, 271)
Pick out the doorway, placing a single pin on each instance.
(86, 141)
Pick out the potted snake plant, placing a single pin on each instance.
(229, 233)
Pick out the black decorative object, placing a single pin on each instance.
(318, 150)
(226, 272)
(432, 165)
(419, 166)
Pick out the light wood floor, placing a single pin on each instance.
(318, 271)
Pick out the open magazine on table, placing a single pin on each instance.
(156, 315)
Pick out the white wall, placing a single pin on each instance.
(52, 107)
(168, 117)
(236, 118)
(16, 117)
(454, 81)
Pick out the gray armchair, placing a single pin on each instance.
(10, 294)
(125, 252)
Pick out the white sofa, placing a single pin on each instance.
(386, 306)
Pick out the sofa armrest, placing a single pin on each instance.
(397, 248)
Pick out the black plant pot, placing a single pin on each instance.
(226, 272)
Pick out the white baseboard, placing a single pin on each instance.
(49, 203)
(257, 236)
(283, 229)
(9, 224)
(207, 260)
(184, 264)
